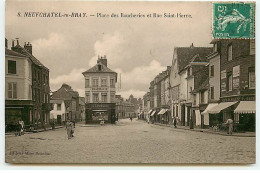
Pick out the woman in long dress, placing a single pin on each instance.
(69, 129)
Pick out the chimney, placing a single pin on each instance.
(191, 46)
(17, 41)
(12, 43)
(28, 47)
(6, 43)
(102, 60)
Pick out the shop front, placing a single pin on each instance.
(244, 115)
(221, 112)
(95, 112)
(16, 110)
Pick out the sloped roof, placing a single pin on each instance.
(13, 53)
(64, 93)
(95, 69)
(27, 53)
(82, 101)
(185, 54)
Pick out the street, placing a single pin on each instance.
(129, 142)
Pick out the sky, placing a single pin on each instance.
(136, 48)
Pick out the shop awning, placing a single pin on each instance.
(245, 107)
(221, 107)
(150, 111)
(209, 107)
(153, 113)
(162, 112)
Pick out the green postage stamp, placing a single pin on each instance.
(233, 20)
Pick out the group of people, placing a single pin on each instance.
(70, 128)
(19, 128)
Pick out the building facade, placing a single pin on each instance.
(237, 82)
(38, 88)
(180, 107)
(100, 92)
(70, 98)
(18, 88)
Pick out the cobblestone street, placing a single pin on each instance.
(136, 142)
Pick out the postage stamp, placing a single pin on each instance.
(233, 20)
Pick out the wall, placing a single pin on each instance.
(22, 77)
(215, 80)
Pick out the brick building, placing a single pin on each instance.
(237, 81)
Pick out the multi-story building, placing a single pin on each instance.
(197, 74)
(146, 106)
(178, 81)
(214, 82)
(164, 112)
(39, 87)
(18, 88)
(100, 92)
(82, 107)
(120, 111)
(71, 108)
(237, 81)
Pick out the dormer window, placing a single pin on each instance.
(99, 67)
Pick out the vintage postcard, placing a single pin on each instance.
(130, 82)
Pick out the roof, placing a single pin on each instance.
(81, 100)
(185, 54)
(104, 69)
(65, 93)
(27, 53)
(13, 53)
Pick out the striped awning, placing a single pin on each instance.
(245, 107)
(162, 111)
(221, 107)
(150, 111)
(153, 113)
(209, 107)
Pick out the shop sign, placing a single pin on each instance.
(223, 86)
(235, 83)
(223, 74)
(236, 71)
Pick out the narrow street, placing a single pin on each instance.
(129, 142)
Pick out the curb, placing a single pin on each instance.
(41, 130)
(205, 131)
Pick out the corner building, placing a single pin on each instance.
(100, 92)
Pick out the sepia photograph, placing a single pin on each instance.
(130, 83)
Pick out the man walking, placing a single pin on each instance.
(229, 123)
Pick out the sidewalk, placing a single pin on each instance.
(245, 134)
(40, 130)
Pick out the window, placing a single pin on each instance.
(103, 82)
(112, 97)
(11, 67)
(112, 82)
(251, 78)
(12, 90)
(95, 97)
(202, 97)
(99, 67)
(229, 82)
(190, 89)
(212, 70)
(58, 107)
(212, 93)
(194, 99)
(87, 83)
(30, 91)
(104, 97)
(229, 52)
(87, 98)
(95, 82)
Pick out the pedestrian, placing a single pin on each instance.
(131, 119)
(229, 123)
(74, 123)
(22, 126)
(69, 129)
(18, 129)
(175, 122)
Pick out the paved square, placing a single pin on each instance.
(136, 142)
